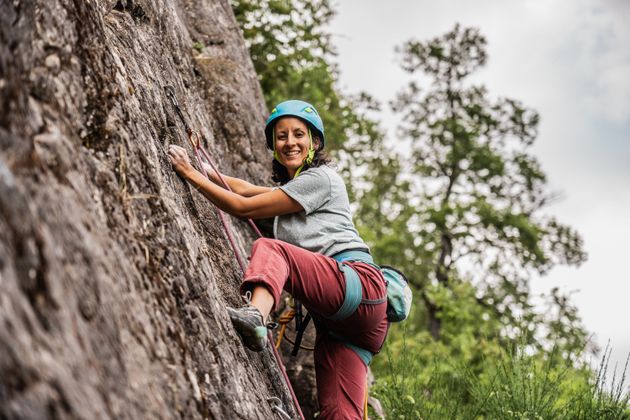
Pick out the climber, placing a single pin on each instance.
(318, 256)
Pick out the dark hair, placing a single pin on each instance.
(280, 174)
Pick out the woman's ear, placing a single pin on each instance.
(316, 143)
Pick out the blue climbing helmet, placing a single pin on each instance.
(294, 108)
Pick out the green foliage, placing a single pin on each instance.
(199, 46)
(466, 206)
(594, 400)
(512, 383)
(292, 54)
(481, 186)
(462, 219)
(523, 387)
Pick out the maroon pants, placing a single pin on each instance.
(317, 282)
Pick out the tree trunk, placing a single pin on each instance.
(114, 274)
(434, 322)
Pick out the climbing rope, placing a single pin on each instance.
(224, 221)
(365, 400)
(195, 140)
(286, 317)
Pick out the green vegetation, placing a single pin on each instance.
(512, 384)
(293, 57)
(199, 46)
(462, 217)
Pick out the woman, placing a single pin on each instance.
(317, 256)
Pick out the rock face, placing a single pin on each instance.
(114, 275)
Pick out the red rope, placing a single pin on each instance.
(198, 151)
(224, 221)
(227, 187)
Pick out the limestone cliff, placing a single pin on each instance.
(114, 275)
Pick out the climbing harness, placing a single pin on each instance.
(398, 291)
(352, 300)
(195, 140)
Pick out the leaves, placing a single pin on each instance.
(450, 57)
(475, 182)
(292, 54)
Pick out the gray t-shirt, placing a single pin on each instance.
(325, 226)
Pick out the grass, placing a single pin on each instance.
(601, 401)
(518, 385)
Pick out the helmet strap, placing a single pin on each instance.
(311, 149)
(275, 152)
(309, 156)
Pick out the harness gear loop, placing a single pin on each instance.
(299, 334)
(285, 318)
(298, 315)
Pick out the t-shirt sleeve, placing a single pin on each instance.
(311, 189)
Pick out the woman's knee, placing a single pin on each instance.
(261, 241)
(264, 242)
(260, 244)
(267, 245)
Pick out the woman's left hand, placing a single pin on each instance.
(179, 159)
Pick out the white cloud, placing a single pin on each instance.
(601, 42)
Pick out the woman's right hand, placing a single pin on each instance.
(180, 161)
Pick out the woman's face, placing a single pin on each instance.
(292, 143)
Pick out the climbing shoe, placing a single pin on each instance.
(248, 322)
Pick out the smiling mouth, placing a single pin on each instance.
(292, 153)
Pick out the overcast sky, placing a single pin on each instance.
(569, 60)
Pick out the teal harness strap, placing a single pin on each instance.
(353, 297)
(364, 354)
(354, 292)
(354, 255)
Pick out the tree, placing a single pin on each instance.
(476, 189)
(293, 57)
